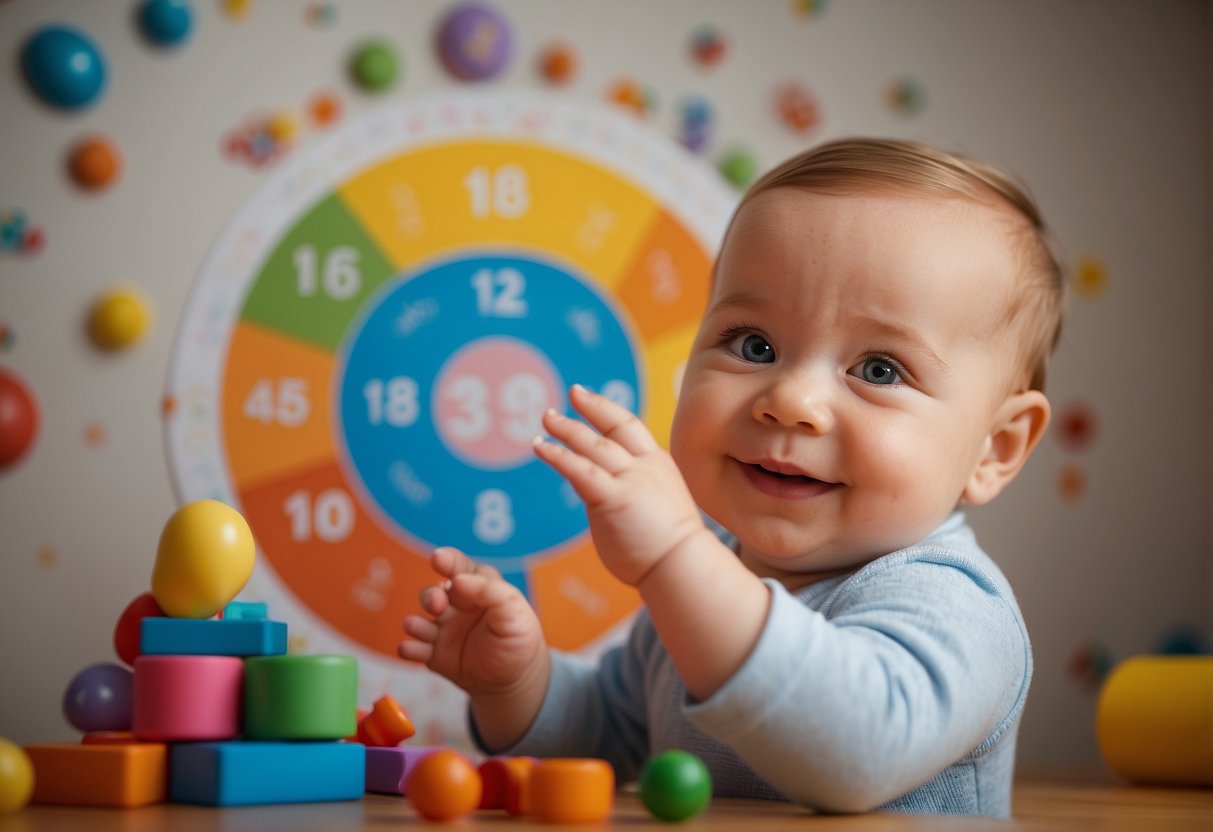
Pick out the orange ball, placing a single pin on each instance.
(95, 163)
(444, 786)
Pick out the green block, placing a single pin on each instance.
(300, 697)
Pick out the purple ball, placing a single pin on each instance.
(100, 698)
(474, 42)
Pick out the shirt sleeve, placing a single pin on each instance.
(593, 711)
(915, 667)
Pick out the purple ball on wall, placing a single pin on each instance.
(100, 698)
(474, 42)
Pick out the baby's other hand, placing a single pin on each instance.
(481, 633)
(639, 507)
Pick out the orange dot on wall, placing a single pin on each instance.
(325, 109)
(558, 64)
(95, 163)
(1072, 483)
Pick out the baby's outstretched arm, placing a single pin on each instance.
(707, 607)
(482, 635)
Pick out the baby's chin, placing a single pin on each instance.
(798, 570)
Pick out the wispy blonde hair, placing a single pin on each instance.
(860, 163)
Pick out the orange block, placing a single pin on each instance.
(572, 790)
(506, 782)
(386, 725)
(99, 774)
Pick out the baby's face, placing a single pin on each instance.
(846, 375)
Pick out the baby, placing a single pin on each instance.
(872, 360)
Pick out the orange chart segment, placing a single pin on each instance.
(667, 359)
(276, 405)
(335, 558)
(425, 203)
(667, 282)
(577, 599)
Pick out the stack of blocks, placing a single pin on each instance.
(219, 714)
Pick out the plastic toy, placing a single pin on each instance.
(192, 637)
(100, 698)
(386, 725)
(204, 559)
(187, 697)
(300, 697)
(94, 163)
(99, 775)
(474, 42)
(63, 66)
(245, 611)
(127, 631)
(16, 777)
(18, 418)
(375, 66)
(572, 790)
(558, 64)
(675, 785)
(109, 738)
(1154, 720)
(506, 782)
(166, 22)
(119, 318)
(388, 769)
(444, 786)
(248, 773)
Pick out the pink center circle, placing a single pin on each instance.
(489, 398)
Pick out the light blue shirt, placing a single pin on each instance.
(898, 687)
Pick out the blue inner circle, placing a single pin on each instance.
(387, 383)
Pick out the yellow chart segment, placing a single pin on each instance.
(276, 406)
(430, 201)
(666, 359)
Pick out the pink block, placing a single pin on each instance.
(188, 697)
(388, 768)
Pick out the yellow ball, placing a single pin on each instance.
(205, 558)
(119, 319)
(16, 777)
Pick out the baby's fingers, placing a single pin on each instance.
(593, 484)
(420, 647)
(584, 440)
(612, 421)
(448, 562)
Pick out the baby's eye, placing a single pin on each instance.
(877, 370)
(753, 348)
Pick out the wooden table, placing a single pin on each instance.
(1039, 805)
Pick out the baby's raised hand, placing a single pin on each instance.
(481, 634)
(639, 507)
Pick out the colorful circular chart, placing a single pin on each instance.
(365, 357)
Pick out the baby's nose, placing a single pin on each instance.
(796, 400)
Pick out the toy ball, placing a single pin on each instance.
(675, 785)
(94, 163)
(100, 698)
(166, 22)
(204, 559)
(127, 633)
(374, 66)
(18, 418)
(16, 777)
(63, 67)
(474, 43)
(119, 319)
(444, 786)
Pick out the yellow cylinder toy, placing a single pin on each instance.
(1154, 720)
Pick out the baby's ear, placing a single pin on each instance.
(1018, 425)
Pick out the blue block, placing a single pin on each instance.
(245, 611)
(249, 773)
(204, 637)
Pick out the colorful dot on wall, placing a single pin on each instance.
(796, 107)
(63, 67)
(166, 23)
(906, 96)
(321, 15)
(236, 9)
(324, 109)
(94, 163)
(1090, 278)
(1076, 427)
(557, 64)
(708, 46)
(120, 318)
(375, 66)
(474, 42)
(695, 123)
(1071, 483)
(1089, 664)
(19, 418)
(47, 557)
(95, 435)
(737, 166)
(631, 96)
(809, 8)
(1184, 639)
(18, 236)
(7, 337)
(168, 405)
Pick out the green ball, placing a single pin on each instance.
(374, 66)
(675, 785)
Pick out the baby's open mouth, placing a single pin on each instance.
(784, 481)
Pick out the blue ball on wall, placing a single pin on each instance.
(166, 22)
(63, 66)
